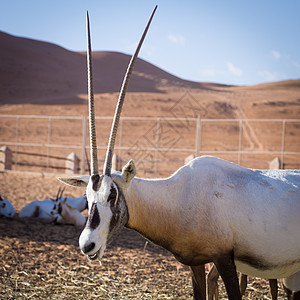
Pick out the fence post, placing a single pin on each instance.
(116, 163)
(83, 145)
(158, 133)
(282, 143)
(49, 140)
(72, 164)
(17, 141)
(189, 158)
(198, 136)
(240, 141)
(5, 158)
(275, 164)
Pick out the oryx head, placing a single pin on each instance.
(106, 203)
(6, 208)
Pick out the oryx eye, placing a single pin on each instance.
(113, 194)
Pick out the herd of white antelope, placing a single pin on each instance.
(58, 210)
(209, 211)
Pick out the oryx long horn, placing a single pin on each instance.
(114, 128)
(61, 193)
(92, 129)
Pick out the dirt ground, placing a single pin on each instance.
(43, 261)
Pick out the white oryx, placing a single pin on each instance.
(42, 208)
(210, 210)
(66, 214)
(6, 208)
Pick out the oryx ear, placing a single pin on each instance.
(80, 181)
(129, 171)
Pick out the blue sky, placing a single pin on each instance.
(230, 41)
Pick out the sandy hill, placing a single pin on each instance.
(38, 72)
(42, 78)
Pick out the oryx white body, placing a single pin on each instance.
(38, 209)
(6, 208)
(212, 201)
(211, 206)
(42, 208)
(79, 203)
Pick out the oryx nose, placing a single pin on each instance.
(88, 248)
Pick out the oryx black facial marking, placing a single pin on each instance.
(93, 220)
(119, 212)
(36, 212)
(112, 196)
(3, 204)
(115, 209)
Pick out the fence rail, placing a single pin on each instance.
(154, 142)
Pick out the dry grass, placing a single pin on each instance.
(43, 261)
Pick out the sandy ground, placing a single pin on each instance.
(43, 261)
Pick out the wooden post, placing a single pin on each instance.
(189, 158)
(275, 164)
(116, 163)
(72, 164)
(198, 136)
(5, 158)
(84, 126)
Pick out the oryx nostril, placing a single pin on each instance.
(88, 248)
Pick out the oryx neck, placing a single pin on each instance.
(150, 208)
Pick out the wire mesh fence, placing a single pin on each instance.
(158, 145)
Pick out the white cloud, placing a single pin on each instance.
(176, 39)
(209, 72)
(275, 54)
(272, 76)
(233, 69)
(296, 64)
(212, 71)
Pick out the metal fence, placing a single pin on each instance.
(158, 145)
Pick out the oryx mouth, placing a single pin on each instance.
(97, 255)
(94, 256)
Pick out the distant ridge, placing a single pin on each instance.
(33, 71)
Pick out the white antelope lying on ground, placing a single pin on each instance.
(6, 208)
(42, 208)
(64, 213)
(210, 210)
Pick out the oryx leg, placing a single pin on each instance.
(273, 288)
(199, 282)
(227, 270)
(243, 283)
(212, 283)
